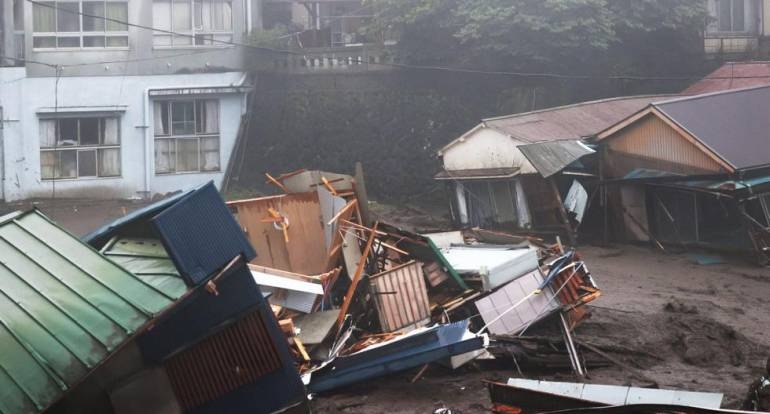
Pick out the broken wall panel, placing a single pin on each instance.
(305, 251)
(509, 309)
(401, 297)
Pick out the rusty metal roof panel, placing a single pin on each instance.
(732, 75)
(63, 310)
(573, 122)
(733, 124)
(551, 157)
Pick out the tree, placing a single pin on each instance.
(599, 35)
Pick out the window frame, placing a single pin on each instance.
(79, 147)
(193, 32)
(199, 137)
(81, 34)
(749, 25)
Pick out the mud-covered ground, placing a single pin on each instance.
(684, 325)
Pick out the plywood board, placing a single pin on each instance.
(305, 252)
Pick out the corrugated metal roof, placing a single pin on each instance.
(733, 124)
(732, 75)
(549, 158)
(573, 122)
(147, 259)
(63, 310)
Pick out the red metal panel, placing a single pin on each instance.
(238, 355)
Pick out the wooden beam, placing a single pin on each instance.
(280, 185)
(356, 277)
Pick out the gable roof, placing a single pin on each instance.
(569, 122)
(732, 75)
(730, 126)
(64, 309)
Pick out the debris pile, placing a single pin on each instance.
(358, 298)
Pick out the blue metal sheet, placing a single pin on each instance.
(102, 235)
(437, 343)
(201, 235)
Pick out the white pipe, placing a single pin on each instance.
(249, 17)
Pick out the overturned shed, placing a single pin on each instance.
(64, 310)
(220, 349)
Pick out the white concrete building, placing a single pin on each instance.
(134, 112)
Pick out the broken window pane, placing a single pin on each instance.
(87, 163)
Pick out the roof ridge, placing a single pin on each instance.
(708, 95)
(575, 105)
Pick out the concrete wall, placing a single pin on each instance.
(486, 148)
(23, 97)
(165, 60)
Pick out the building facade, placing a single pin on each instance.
(737, 28)
(120, 98)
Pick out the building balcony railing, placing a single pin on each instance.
(351, 58)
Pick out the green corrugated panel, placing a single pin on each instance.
(64, 308)
(147, 258)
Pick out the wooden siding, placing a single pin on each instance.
(401, 297)
(651, 144)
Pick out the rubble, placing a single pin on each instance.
(392, 288)
(329, 297)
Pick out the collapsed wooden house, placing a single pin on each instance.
(691, 171)
(515, 172)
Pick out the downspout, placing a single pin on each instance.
(147, 142)
(249, 17)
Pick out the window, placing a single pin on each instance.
(200, 22)
(734, 16)
(75, 24)
(79, 147)
(186, 136)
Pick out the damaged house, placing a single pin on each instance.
(691, 171)
(515, 172)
